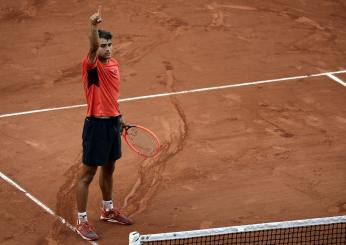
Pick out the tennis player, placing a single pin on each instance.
(101, 132)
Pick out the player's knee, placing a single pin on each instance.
(87, 179)
(88, 176)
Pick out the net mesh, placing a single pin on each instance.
(322, 231)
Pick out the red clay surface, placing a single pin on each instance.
(236, 156)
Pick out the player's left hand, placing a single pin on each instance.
(122, 124)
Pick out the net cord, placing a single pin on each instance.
(136, 238)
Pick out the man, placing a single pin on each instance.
(101, 132)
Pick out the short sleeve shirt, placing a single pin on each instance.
(101, 87)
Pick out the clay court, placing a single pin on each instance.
(258, 152)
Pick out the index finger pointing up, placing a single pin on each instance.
(99, 11)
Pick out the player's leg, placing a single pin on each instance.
(109, 213)
(87, 174)
(84, 229)
(106, 179)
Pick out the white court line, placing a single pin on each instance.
(41, 110)
(335, 78)
(39, 203)
(180, 92)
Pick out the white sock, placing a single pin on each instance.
(82, 217)
(107, 205)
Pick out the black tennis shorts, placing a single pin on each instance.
(101, 140)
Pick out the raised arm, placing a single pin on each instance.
(95, 19)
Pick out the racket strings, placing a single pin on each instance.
(142, 140)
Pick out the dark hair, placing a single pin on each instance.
(105, 34)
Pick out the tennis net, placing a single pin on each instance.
(321, 231)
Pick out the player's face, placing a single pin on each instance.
(105, 49)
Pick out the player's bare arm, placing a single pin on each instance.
(95, 19)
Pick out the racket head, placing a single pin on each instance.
(141, 140)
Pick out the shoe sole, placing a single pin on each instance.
(84, 237)
(113, 221)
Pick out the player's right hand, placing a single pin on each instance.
(96, 18)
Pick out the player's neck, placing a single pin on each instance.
(104, 60)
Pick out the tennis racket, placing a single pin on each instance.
(141, 140)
